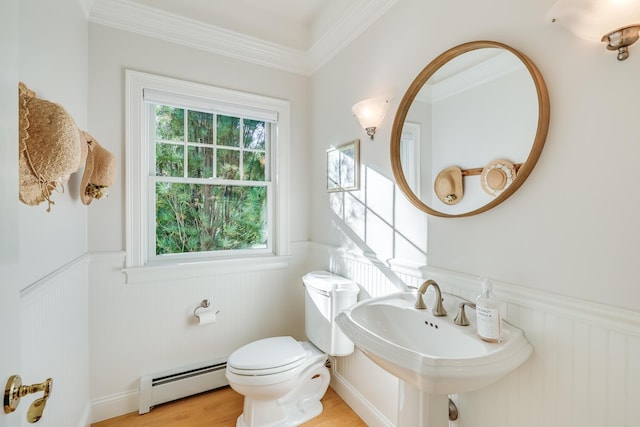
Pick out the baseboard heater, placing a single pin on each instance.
(175, 384)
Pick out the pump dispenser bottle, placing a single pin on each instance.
(488, 316)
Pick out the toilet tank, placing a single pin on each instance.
(326, 296)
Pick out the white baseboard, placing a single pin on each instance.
(85, 419)
(123, 403)
(114, 405)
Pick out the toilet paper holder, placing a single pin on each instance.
(203, 305)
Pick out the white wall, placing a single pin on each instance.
(53, 62)
(555, 236)
(572, 228)
(53, 324)
(112, 51)
(147, 327)
(569, 234)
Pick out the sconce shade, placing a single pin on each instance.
(615, 22)
(370, 113)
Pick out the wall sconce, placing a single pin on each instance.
(614, 22)
(370, 113)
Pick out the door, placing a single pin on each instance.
(9, 284)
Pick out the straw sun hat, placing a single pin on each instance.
(448, 185)
(51, 148)
(99, 171)
(497, 176)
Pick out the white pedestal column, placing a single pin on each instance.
(419, 409)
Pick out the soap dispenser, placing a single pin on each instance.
(489, 321)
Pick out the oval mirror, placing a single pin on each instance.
(469, 129)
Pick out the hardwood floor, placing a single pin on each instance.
(220, 408)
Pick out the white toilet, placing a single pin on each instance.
(282, 379)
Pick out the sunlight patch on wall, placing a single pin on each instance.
(379, 222)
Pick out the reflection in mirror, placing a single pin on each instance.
(475, 104)
(410, 144)
(479, 107)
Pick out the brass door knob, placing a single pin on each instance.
(14, 391)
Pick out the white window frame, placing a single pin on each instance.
(138, 168)
(410, 155)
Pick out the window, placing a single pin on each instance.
(210, 175)
(201, 168)
(410, 155)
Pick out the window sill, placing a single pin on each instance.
(183, 270)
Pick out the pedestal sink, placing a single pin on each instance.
(431, 355)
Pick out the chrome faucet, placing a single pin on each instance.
(438, 310)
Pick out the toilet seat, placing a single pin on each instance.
(283, 380)
(268, 356)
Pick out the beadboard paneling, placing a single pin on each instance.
(146, 327)
(369, 390)
(583, 371)
(55, 343)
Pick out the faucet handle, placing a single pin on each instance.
(439, 310)
(461, 317)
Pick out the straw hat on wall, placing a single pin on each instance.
(497, 176)
(50, 148)
(99, 171)
(448, 185)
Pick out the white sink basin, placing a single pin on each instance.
(431, 353)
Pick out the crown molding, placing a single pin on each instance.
(354, 21)
(129, 16)
(133, 17)
(468, 78)
(478, 75)
(86, 6)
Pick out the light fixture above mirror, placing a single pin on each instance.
(614, 22)
(370, 113)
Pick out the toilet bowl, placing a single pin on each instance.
(283, 379)
(285, 394)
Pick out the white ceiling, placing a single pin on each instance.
(295, 35)
(291, 23)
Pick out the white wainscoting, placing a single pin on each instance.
(55, 344)
(148, 326)
(585, 369)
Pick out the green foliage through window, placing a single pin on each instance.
(197, 216)
(200, 218)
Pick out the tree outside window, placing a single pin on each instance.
(210, 181)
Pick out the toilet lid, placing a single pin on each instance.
(267, 356)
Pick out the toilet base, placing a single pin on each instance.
(295, 416)
(295, 408)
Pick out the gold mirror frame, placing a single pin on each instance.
(412, 92)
